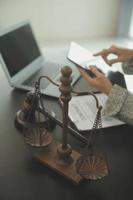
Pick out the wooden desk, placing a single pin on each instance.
(22, 178)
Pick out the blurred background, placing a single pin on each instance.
(70, 19)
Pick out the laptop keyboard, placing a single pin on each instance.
(52, 71)
(44, 82)
(53, 74)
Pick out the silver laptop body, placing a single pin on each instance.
(23, 62)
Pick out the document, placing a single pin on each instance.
(82, 112)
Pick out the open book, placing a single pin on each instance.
(82, 112)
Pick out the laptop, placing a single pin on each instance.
(23, 62)
(83, 58)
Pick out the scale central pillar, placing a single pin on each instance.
(64, 150)
(60, 157)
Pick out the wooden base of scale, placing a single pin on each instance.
(50, 158)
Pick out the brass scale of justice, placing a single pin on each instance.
(36, 124)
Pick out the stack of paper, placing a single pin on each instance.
(82, 112)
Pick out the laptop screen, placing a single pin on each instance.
(18, 48)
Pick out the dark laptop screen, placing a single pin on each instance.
(18, 48)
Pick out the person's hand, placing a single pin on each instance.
(122, 54)
(100, 82)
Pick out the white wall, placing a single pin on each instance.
(63, 19)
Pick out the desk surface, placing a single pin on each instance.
(22, 178)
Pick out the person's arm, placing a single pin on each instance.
(121, 55)
(127, 66)
(120, 104)
(120, 101)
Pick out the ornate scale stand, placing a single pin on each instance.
(60, 157)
